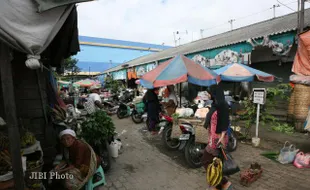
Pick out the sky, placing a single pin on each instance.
(159, 21)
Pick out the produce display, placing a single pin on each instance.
(5, 162)
(27, 139)
(58, 113)
(33, 164)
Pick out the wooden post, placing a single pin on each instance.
(10, 115)
(180, 88)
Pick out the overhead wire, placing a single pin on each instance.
(240, 18)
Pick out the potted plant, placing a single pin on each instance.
(98, 130)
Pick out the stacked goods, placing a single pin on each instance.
(58, 113)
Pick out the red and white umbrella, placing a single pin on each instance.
(87, 83)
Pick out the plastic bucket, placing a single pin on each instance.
(114, 149)
(255, 141)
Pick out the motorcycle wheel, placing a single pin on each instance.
(170, 144)
(193, 153)
(232, 142)
(120, 114)
(136, 118)
(105, 157)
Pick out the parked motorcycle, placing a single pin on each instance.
(137, 112)
(126, 96)
(194, 151)
(124, 110)
(166, 129)
(110, 107)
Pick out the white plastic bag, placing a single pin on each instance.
(2, 122)
(189, 112)
(287, 154)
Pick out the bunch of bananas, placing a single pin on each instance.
(27, 139)
(58, 113)
(4, 141)
(32, 164)
(214, 172)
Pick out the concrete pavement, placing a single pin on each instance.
(145, 164)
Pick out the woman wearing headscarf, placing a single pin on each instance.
(152, 107)
(217, 122)
(80, 161)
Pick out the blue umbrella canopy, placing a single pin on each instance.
(241, 73)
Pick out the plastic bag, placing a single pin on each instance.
(230, 167)
(189, 112)
(202, 112)
(302, 160)
(184, 112)
(287, 154)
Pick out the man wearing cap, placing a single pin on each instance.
(95, 97)
(80, 161)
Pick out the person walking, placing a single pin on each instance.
(152, 107)
(217, 122)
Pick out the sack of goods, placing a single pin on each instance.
(214, 172)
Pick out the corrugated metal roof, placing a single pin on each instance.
(120, 42)
(274, 26)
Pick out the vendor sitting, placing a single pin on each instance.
(80, 161)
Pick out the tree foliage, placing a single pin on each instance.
(70, 65)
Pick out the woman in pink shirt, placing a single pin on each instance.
(217, 122)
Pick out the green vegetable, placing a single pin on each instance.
(97, 128)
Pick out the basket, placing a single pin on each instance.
(299, 125)
(291, 105)
(201, 134)
(302, 101)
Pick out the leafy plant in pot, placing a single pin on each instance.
(98, 130)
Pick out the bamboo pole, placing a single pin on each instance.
(10, 115)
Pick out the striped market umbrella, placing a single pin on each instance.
(87, 83)
(241, 73)
(177, 70)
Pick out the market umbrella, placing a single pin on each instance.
(241, 73)
(177, 70)
(87, 83)
(63, 82)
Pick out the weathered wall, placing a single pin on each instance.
(28, 102)
(1, 101)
